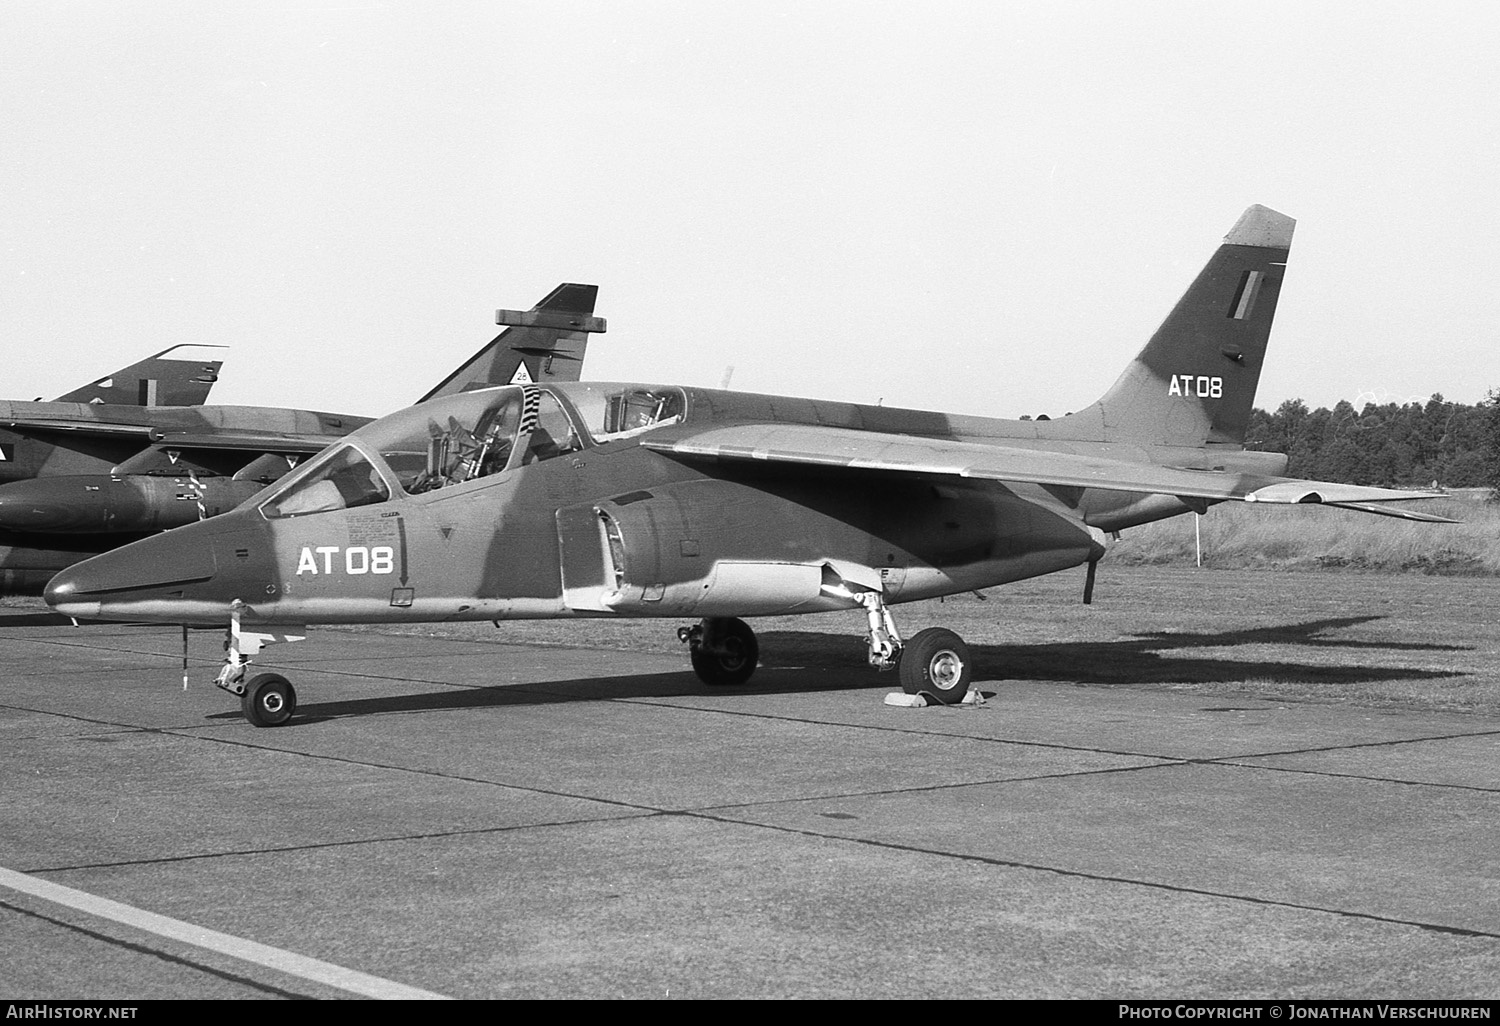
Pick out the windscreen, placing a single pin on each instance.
(434, 445)
(340, 480)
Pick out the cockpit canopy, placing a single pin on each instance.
(464, 437)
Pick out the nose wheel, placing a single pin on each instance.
(269, 700)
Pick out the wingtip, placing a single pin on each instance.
(1263, 227)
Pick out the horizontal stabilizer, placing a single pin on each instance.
(1331, 493)
(551, 319)
(1393, 511)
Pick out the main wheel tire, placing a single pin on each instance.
(735, 658)
(936, 663)
(269, 700)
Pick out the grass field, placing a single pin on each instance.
(1237, 534)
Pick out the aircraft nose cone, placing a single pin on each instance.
(63, 594)
(115, 578)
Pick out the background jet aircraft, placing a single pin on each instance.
(87, 474)
(608, 500)
(179, 376)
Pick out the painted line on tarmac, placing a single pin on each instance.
(301, 966)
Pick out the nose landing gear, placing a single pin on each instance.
(267, 699)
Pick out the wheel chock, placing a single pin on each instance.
(902, 700)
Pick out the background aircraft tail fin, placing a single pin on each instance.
(180, 376)
(1194, 382)
(545, 343)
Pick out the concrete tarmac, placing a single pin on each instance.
(479, 819)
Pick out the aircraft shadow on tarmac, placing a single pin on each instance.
(32, 618)
(1158, 657)
(797, 661)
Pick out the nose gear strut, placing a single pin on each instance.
(268, 700)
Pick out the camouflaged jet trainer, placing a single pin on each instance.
(642, 500)
(86, 474)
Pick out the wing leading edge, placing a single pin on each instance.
(807, 445)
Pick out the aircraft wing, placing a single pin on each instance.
(845, 448)
(232, 440)
(41, 427)
(224, 439)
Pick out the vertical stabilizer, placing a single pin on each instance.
(1194, 383)
(545, 343)
(180, 376)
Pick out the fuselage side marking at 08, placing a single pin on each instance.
(356, 559)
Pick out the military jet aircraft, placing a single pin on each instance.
(602, 500)
(87, 474)
(182, 375)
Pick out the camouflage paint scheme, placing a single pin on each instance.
(721, 504)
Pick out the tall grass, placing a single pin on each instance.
(1237, 534)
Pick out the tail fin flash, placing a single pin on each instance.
(545, 343)
(180, 376)
(1194, 383)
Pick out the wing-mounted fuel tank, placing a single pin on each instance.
(709, 548)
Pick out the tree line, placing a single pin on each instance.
(1410, 445)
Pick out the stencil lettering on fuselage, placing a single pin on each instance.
(353, 560)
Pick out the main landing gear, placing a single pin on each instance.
(936, 662)
(267, 699)
(723, 650)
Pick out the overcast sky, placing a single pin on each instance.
(983, 207)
